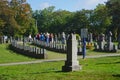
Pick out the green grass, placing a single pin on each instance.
(107, 68)
(7, 55)
(54, 55)
(92, 69)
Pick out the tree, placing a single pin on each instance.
(22, 14)
(2, 23)
(7, 18)
(15, 17)
(79, 20)
(114, 11)
(32, 29)
(100, 20)
(59, 21)
(44, 18)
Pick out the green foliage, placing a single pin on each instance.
(16, 15)
(96, 20)
(43, 18)
(78, 37)
(100, 20)
(32, 29)
(2, 23)
(49, 20)
(80, 20)
(6, 16)
(114, 11)
(16, 18)
(60, 20)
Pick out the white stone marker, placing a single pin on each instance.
(71, 64)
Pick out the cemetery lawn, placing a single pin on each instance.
(7, 55)
(107, 68)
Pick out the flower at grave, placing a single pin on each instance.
(89, 45)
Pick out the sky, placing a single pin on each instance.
(69, 5)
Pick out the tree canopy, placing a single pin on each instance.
(17, 18)
(114, 11)
(96, 20)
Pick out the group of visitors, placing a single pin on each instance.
(48, 37)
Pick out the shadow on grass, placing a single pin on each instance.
(109, 63)
(3, 76)
(116, 75)
(45, 72)
(10, 50)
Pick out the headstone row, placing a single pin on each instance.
(5, 39)
(108, 46)
(28, 50)
(62, 48)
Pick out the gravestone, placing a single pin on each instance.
(96, 46)
(4, 39)
(101, 41)
(71, 64)
(110, 46)
(63, 37)
(11, 39)
(55, 38)
(109, 41)
(90, 38)
(59, 36)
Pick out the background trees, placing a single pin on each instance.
(100, 20)
(6, 18)
(44, 18)
(114, 11)
(60, 20)
(49, 20)
(96, 20)
(80, 20)
(17, 18)
(22, 15)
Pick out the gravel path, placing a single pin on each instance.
(53, 60)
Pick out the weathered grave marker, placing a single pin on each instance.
(71, 64)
